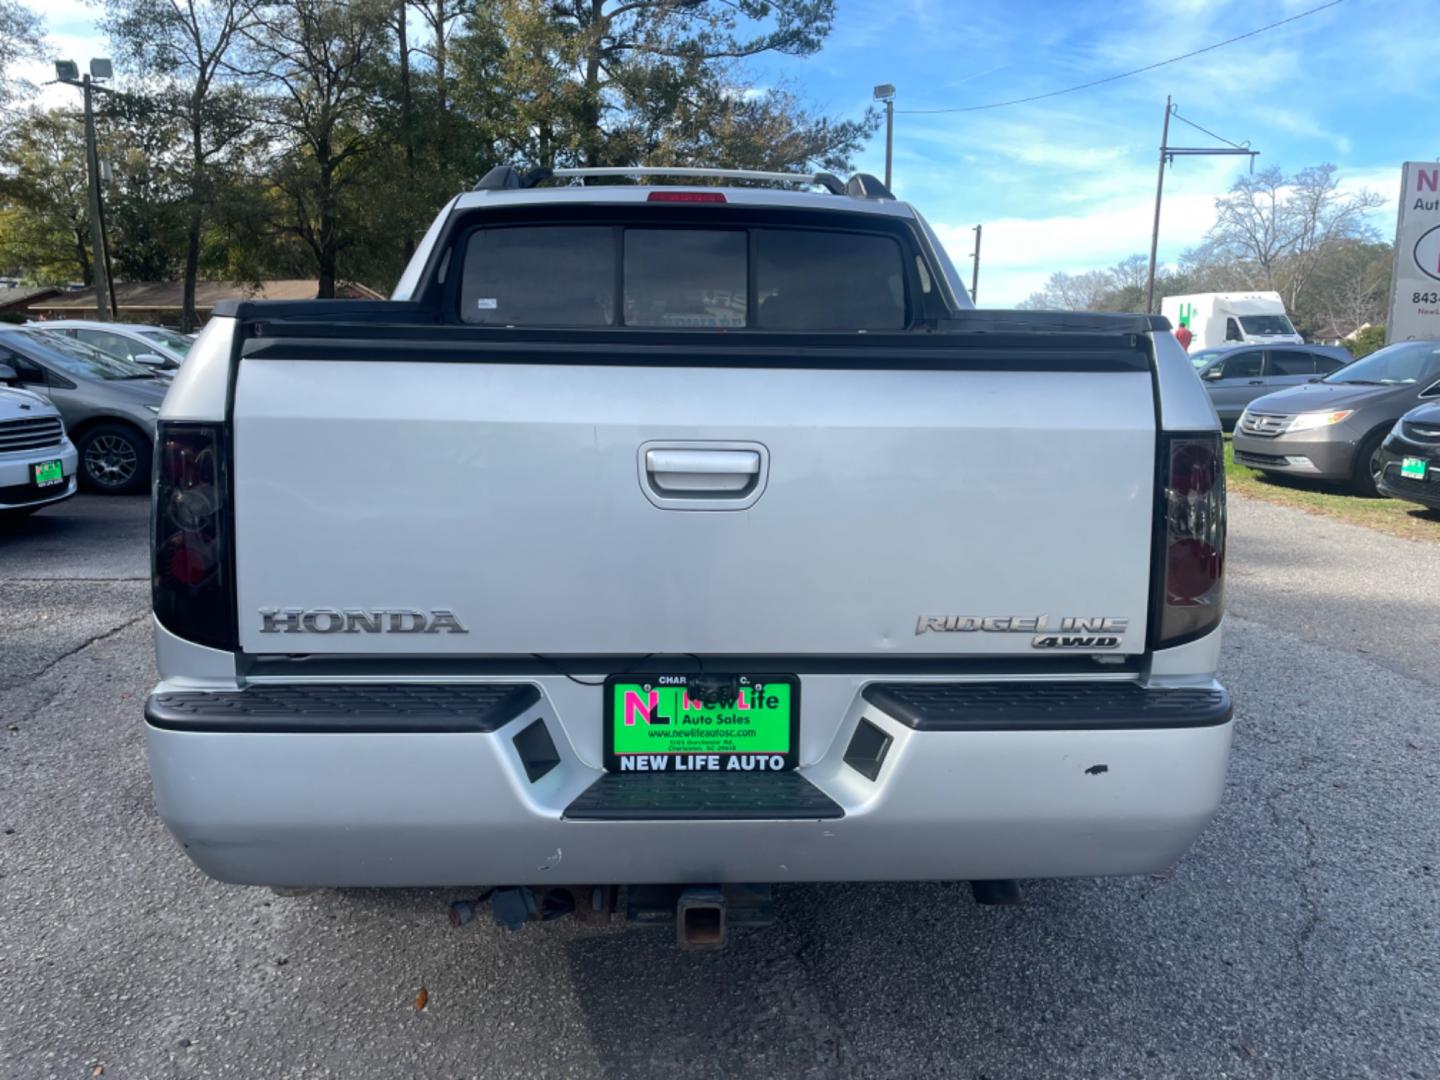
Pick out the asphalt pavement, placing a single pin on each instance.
(1299, 938)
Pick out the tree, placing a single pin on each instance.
(44, 208)
(1349, 288)
(1071, 292)
(325, 57)
(186, 45)
(21, 38)
(1280, 227)
(621, 82)
(148, 199)
(1366, 340)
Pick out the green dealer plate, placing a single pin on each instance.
(48, 473)
(702, 723)
(1413, 467)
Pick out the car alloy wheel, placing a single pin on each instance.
(111, 461)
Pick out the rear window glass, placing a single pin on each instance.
(811, 280)
(685, 277)
(735, 278)
(549, 275)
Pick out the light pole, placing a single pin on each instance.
(67, 71)
(886, 92)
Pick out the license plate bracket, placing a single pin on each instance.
(47, 474)
(683, 723)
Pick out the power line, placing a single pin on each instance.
(1207, 131)
(1128, 74)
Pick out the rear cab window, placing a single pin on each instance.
(729, 277)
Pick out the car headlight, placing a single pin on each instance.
(1309, 421)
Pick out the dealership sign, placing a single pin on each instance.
(1415, 293)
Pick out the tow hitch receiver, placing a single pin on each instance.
(700, 919)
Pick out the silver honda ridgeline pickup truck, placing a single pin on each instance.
(680, 537)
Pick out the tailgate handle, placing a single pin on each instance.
(710, 473)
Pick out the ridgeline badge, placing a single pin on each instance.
(1071, 632)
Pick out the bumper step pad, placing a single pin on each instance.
(380, 708)
(1075, 706)
(718, 796)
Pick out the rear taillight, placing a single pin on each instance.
(192, 584)
(1190, 563)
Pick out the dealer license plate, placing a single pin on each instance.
(702, 723)
(1413, 468)
(48, 473)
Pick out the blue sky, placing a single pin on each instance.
(1069, 183)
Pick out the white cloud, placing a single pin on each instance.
(1018, 254)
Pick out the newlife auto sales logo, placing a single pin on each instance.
(1427, 253)
(1415, 296)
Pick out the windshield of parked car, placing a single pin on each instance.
(176, 343)
(77, 358)
(1200, 359)
(1395, 365)
(1263, 325)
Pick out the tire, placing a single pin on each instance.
(1364, 472)
(114, 459)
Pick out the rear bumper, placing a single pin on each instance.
(459, 807)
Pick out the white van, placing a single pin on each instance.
(1251, 318)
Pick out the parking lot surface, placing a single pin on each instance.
(1300, 937)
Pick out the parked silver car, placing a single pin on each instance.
(1235, 376)
(37, 460)
(109, 405)
(153, 346)
(1333, 429)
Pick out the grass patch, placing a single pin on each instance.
(1406, 519)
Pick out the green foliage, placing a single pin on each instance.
(44, 213)
(1366, 340)
(21, 38)
(318, 138)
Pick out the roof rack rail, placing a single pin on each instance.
(508, 178)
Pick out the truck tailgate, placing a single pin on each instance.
(864, 512)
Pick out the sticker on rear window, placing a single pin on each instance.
(487, 303)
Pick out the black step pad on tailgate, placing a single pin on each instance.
(369, 708)
(1058, 706)
(703, 796)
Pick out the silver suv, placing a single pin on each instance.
(1332, 429)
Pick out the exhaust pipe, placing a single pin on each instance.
(700, 919)
(999, 891)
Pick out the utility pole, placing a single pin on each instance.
(67, 71)
(1155, 230)
(1168, 154)
(886, 92)
(975, 270)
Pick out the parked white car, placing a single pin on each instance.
(153, 346)
(37, 459)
